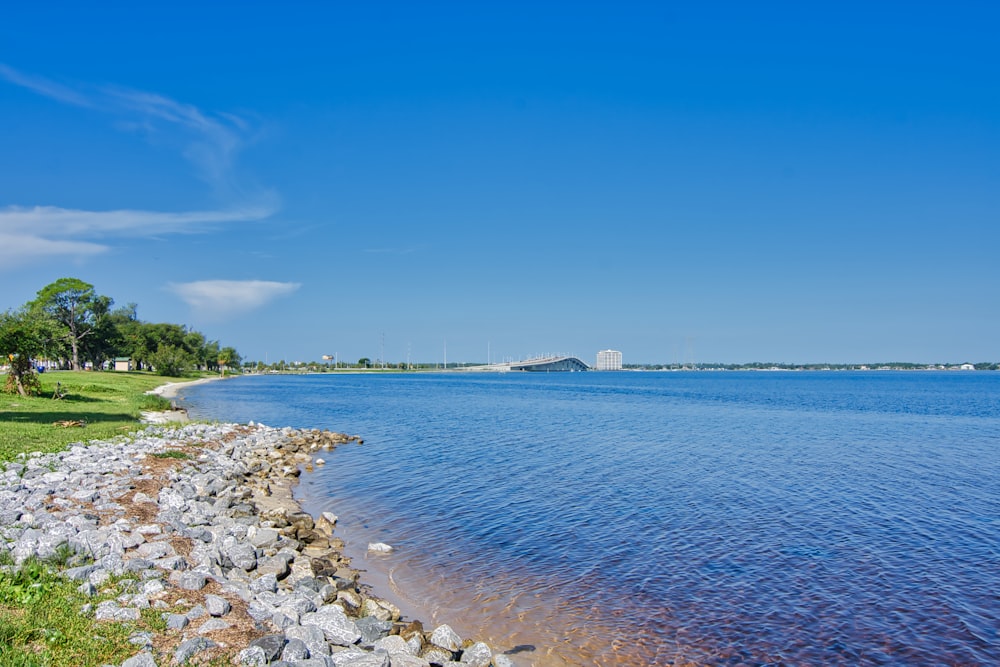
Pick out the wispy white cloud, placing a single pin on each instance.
(73, 222)
(223, 298)
(29, 234)
(209, 141)
(43, 86)
(19, 249)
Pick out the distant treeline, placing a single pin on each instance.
(70, 325)
(767, 366)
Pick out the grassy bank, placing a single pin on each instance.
(41, 624)
(40, 620)
(107, 404)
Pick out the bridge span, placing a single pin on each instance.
(548, 364)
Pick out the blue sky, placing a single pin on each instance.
(729, 182)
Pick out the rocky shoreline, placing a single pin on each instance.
(199, 522)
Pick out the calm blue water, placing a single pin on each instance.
(668, 518)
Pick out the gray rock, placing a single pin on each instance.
(141, 638)
(406, 660)
(197, 611)
(155, 550)
(446, 638)
(173, 563)
(285, 618)
(258, 611)
(252, 656)
(144, 659)
(171, 499)
(272, 645)
(393, 645)
(79, 573)
(295, 650)
(346, 655)
(188, 580)
(477, 655)
(176, 621)
(242, 555)
(501, 660)
(362, 660)
(436, 655)
(110, 611)
(190, 648)
(153, 587)
(263, 537)
(312, 636)
(267, 582)
(99, 576)
(335, 625)
(217, 606)
(372, 629)
(277, 565)
(137, 565)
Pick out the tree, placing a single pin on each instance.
(103, 341)
(23, 335)
(74, 305)
(364, 362)
(228, 357)
(170, 360)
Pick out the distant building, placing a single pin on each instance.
(123, 364)
(609, 360)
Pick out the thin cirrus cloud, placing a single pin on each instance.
(223, 298)
(210, 142)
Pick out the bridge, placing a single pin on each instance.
(548, 364)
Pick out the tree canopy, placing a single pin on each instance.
(74, 307)
(70, 324)
(23, 335)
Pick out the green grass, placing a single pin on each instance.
(40, 620)
(172, 454)
(109, 403)
(41, 624)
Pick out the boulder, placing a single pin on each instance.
(446, 638)
(336, 627)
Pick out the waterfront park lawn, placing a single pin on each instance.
(106, 403)
(40, 619)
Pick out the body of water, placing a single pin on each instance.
(667, 518)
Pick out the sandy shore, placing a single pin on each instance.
(170, 389)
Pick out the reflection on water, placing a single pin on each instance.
(808, 518)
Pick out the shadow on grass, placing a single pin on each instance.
(49, 417)
(77, 398)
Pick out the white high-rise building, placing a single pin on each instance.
(609, 360)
